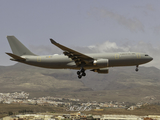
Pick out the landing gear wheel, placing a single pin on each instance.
(82, 70)
(79, 76)
(78, 72)
(137, 68)
(83, 74)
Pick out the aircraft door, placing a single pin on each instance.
(138, 55)
(117, 56)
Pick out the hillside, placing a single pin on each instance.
(121, 84)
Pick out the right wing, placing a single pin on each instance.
(78, 57)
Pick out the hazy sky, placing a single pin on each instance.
(84, 25)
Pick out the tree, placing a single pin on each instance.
(10, 113)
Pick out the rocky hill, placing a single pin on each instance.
(121, 84)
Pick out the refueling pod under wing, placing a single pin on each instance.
(101, 70)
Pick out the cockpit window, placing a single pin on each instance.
(146, 55)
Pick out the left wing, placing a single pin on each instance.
(78, 57)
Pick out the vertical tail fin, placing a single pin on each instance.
(17, 47)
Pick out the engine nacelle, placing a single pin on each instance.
(101, 62)
(101, 70)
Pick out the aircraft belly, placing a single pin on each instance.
(122, 62)
(48, 62)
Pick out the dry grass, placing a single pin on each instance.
(15, 108)
(146, 110)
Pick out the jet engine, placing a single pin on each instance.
(101, 70)
(101, 62)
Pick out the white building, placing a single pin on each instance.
(121, 117)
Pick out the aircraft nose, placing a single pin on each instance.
(151, 58)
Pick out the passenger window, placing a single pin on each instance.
(146, 55)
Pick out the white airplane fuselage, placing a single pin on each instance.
(71, 59)
(112, 60)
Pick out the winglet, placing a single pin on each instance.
(52, 41)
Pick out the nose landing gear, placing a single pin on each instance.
(81, 73)
(137, 68)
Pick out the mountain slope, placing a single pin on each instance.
(32, 79)
(121, 84)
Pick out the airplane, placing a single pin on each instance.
(71, 59)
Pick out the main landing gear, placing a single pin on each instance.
(137, 68)
(81, 73)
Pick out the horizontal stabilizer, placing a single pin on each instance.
(15, 57)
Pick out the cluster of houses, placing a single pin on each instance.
(23, 98)
(9, 98)
(71, 103)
